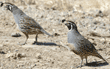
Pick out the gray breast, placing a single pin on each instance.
(72, 36)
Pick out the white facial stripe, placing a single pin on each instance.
(10, 7)
(71, 27)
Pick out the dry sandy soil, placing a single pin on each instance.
(93, 25)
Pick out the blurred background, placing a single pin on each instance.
(85, 5)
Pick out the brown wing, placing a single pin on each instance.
(87, 46)
(28, 24)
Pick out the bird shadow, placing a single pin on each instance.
(45, 43)
(96, 64)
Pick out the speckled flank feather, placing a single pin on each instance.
(29, 25)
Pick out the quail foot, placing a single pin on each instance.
(26, 24)
(81, 46)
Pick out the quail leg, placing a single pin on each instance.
(25, 40)
(99, 56)
(35, 42)
(80, 63)
(86, 59)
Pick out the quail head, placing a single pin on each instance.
(26, 24)
(81, 46)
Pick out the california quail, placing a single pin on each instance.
(81, 46)
(26, 24)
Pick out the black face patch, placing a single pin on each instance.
(68, 25)
(71, 25)
(9, 7)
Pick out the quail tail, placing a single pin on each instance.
(45, 32)
(99, 56)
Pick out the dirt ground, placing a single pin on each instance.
(51, 54)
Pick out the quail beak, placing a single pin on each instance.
(66, 24)
(7, 7)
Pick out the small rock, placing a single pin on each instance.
(15, 55)
(95, 34)
(15, 35)
(56, 34)
(99, 13)
(38, 56)
(21, 55)
(53, 8)
(53, 62)
(16, 50)
(9, 55)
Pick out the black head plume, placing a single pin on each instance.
(63, 20)
(1, 4)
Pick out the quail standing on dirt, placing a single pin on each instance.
(81, 46)
(26, 24)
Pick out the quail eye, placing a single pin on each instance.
(9, 7)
